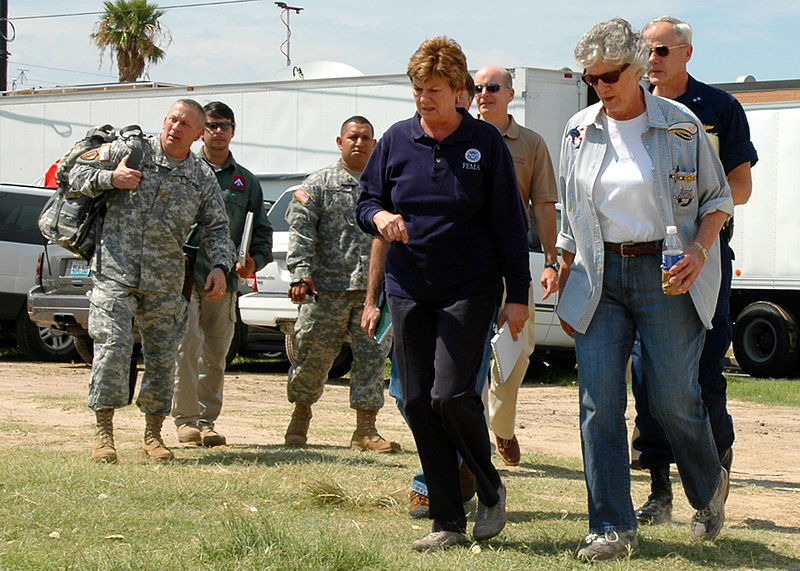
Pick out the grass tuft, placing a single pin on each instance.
(333, 493)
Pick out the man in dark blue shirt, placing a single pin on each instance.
(726, 124)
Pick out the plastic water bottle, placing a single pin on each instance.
(671, 253)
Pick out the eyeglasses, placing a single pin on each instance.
(214, 125)
(607, 77)
(663, 51)
(490, 87)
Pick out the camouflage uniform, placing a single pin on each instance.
(326, 244)
(137, 270)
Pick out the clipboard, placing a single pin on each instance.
(505, 353)
(385, 323)
(247, 236)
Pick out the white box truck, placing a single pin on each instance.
(765, 298)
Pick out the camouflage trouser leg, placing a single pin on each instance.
(320, 330)
(162, 323)
(111, 311)
(369, 358)
(161, 318)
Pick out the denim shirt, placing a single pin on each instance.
(689, 183)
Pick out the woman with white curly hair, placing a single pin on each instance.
(632, 165)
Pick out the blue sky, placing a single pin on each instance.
(240, 42)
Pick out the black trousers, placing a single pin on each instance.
(439, 346)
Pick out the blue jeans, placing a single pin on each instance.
(672, 337)
(418, 481)
(652, 442)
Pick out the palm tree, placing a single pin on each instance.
(131, 31)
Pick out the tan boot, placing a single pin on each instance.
(153, 447)
(297, 432)
(103, 449)
(366, 436)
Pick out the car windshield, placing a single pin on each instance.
(277, 214)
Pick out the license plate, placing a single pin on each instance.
(78, 269)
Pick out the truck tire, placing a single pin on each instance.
(765, 340)
(44, 343)
(84, 345)
(341, 365)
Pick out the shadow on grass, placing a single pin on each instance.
(278, 454)
(723, 552)
(769, 525)
(542, 470)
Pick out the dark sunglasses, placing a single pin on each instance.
(663, 51)
(214, 125)
(607, 77)
(490, 87)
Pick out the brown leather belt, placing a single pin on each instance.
(632, 249)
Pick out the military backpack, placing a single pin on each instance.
(72, 219)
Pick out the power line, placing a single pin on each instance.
(19, 63)
(195, 5)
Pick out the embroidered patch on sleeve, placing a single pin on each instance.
(104, 152)
(301, 195)
(89, 155)
(686, 130)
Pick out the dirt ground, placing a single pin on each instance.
(43, 404)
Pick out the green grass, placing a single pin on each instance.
(781, 392)
(265, 507)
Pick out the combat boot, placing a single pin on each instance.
(658, 507)
(297, 432)
(103, 449)
(153, 447)
(366, 436)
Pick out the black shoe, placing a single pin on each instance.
(658, 507)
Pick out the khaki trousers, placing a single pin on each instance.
(197, 398)
(503, 396)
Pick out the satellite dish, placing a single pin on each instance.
(319, 69)
(745, 79)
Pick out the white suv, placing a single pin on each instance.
(271, 307)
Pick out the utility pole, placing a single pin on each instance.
(4, 45)
(285, 9)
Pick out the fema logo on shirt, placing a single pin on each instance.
(472, 155)
(239, 182)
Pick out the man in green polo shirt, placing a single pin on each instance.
(197, 399)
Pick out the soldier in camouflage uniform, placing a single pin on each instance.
(199, 382)
(138, 268)
(328, 255)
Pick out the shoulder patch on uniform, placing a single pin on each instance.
(89, 155)
(686, 130)
(104, 152)
(301, 195)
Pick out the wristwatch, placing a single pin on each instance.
(553, 265)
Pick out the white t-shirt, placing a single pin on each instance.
(624, 193)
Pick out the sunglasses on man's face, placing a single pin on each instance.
(490, 87)
(607, 77)
(214, 125)
(663, 51)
